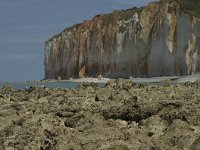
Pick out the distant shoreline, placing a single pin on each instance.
(180, 79)
(101, 82)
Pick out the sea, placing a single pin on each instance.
(71, 84)
(50, 85)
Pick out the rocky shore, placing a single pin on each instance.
(121, 116)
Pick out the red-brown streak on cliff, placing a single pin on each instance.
(159, 39)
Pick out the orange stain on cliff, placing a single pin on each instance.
(82, 72)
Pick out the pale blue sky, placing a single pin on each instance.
(26, 24)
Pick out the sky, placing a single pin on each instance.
(26, 24)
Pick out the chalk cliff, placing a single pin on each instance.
(160, 39)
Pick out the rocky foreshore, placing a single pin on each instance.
(121, 116)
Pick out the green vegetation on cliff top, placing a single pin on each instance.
(191, 6)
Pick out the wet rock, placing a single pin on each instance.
(7, 89)
(116, 146)
(155, 125)
(43, 100)
(64, 114)
(72, 121)
(195, 145)
(121, 84)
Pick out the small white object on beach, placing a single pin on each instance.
(59, 78)
(100, 77)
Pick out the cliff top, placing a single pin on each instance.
(109, 18)
(191, 7)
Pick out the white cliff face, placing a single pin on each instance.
(175, 50)
(159, 40)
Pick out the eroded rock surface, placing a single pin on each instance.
(122, 116)
(159, 39)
